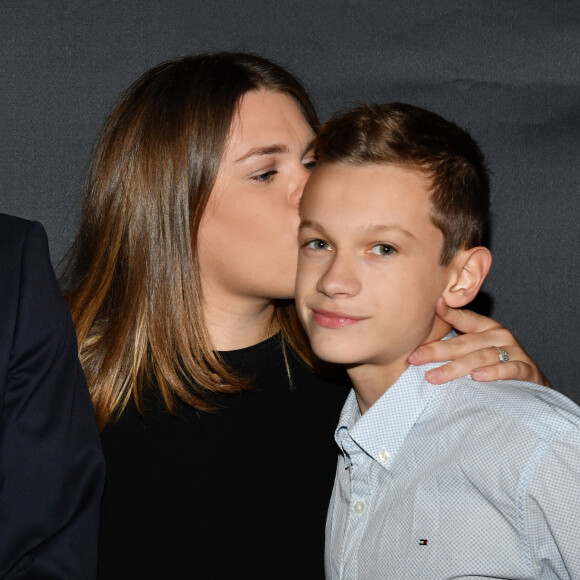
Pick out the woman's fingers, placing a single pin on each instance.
(484, 365)
(474, 344)
(476, 352)
(512, 370)
(465, 321)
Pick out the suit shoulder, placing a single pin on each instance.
(14, 227)
(15, 232)
(28, 286)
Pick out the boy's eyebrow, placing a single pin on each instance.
(370, 229)
(385, 228)
(313, 225)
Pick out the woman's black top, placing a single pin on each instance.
(240, 493)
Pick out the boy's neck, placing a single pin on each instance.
(372, 381)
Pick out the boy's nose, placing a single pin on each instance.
(340, 278)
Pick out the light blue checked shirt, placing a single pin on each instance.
(462, 480)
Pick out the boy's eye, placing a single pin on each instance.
(309, 164)
(265, 177)
(383, 250)
(319, 245)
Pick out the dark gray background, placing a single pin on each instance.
(507, 71)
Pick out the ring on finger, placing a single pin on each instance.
(503, 355)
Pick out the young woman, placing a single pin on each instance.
(217, 435)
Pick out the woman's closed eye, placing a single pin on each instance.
(265, 176)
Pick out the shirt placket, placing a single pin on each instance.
(359, 507)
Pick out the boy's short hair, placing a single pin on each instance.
(411, 137)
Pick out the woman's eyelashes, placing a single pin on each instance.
(265, 176)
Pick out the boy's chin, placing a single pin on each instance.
(335, 355)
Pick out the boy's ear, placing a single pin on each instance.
(469, 269)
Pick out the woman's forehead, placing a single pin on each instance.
(266, 118)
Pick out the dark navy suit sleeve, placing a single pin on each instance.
(51, 464)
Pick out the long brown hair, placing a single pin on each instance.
(132, 278)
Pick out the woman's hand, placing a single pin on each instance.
(475, 351)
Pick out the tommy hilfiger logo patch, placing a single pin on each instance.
(423, 542)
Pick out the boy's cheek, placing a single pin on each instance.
(304, 279)
(299, 299)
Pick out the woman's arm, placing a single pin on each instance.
(475, 352)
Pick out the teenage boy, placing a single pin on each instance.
(452, 481)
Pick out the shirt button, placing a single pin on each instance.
(359, 507)
(384, 455)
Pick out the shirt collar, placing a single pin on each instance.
(382, 430)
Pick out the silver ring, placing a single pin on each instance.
(503, 355)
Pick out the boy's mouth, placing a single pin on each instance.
(330, 319)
